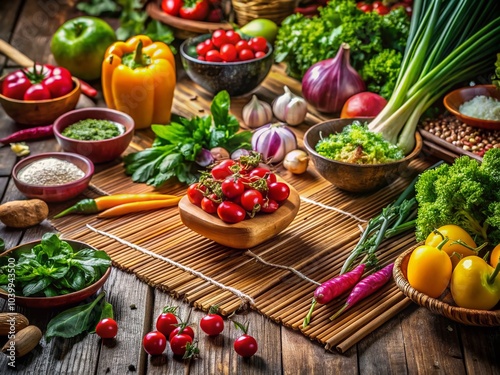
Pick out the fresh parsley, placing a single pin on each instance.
(53, 268)
(176, 146)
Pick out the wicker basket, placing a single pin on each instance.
(276, 11)
(443, 306)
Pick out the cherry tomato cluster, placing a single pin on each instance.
(235, 190)
(41, 82)
(383, 8)
(196, 10)
(228, 46)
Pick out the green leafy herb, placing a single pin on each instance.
(52, 268)
(496, 77)
(176, 146)
(2, 244)
(303, 41)
(79, 319)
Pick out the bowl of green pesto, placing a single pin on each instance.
(354, 159)
(101, 134)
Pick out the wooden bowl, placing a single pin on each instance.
(40, 112)
(183, 28)
(356, 178)
(57, 301)
(456, 98)
(444, 306)
(245, 234)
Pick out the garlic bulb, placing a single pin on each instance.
(290, 108)
(256, 113)
(296, 161)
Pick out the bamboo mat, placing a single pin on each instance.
(315, 244)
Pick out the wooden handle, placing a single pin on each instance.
(15, 55)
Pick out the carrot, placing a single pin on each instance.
(128, 208)
(92, 206)
(333, 288)
(366, 287)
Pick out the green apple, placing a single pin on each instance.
(79, 46)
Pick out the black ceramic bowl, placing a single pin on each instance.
(238, 78)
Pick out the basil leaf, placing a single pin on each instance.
(36, 286)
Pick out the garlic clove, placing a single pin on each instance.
(290, 108)
(256, 113)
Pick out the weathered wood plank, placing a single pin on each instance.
(8, 15)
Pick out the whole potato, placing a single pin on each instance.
(23, 214)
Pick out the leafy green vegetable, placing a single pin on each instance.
(381, 72)
(302, 41)
(52, 268)
(79, 319)
(496, 77)
(465, 194)
(2, 244)
(356, 144)
(176, 146)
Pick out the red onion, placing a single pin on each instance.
(274, 141)
(329, 83)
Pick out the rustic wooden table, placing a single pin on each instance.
(415, 341)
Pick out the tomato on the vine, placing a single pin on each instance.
(223, 169)
(154, 343)
(212, 324)
(37, 92)
(231, 212)
(260, 172)
(179, 343)
(252, 200)
(279, 191)
(167, 320)
(106, 328)
(195, 193)
(232, 187)
(245, 345)
(196, 10)
(209, 204)
(182, 329)
(269, 206)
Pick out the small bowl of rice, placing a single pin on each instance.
(477, 106)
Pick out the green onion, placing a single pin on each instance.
(450, 41)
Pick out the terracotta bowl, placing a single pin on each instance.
(40, 112)
(456, 98)
(55, 193)
(237, 78)
(445, 305)
(245, 234)
(57, 301)
(97, 151)
(356, 178)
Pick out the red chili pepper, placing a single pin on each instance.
(88, 90)
(28, 134)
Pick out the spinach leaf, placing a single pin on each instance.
(76, 320)
(176, 146)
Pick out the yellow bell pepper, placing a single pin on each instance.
(138, 78)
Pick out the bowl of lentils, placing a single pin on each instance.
(100, 134)
(53, 176)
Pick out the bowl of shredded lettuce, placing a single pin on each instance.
(355, 159)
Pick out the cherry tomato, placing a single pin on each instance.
(228, 52)
(195, 193)
(246, 54)
(154, 343)
(230, 212)
(233, 37)
(382, 10)
(258, 44)
(209, 204)
(232, 187)
(223, 170)
(167, 321)
(279, 191)
(203, 47)
(262, 173)
(106, 328)
(171, 7)
(241, 45)
(187, 330)
(178, 343)
(245, 345)
(269, 206)
(212, 324)
(213, 55)
(58, 85)
(15, 85)
(194, 10)
(37, 92)
(252, 200)
(259, 54)
(364, 7)
(219, 38)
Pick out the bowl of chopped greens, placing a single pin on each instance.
(100, 134)
(353, 158)
(52, 272)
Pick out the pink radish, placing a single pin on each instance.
(366, 287)
(333, 288)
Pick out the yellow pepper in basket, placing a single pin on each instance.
(138, 78)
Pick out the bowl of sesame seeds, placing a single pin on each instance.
(53, 176)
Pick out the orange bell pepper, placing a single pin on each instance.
(138, 78)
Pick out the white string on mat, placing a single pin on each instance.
(291, 269)
(243, 296)
(333, 209)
